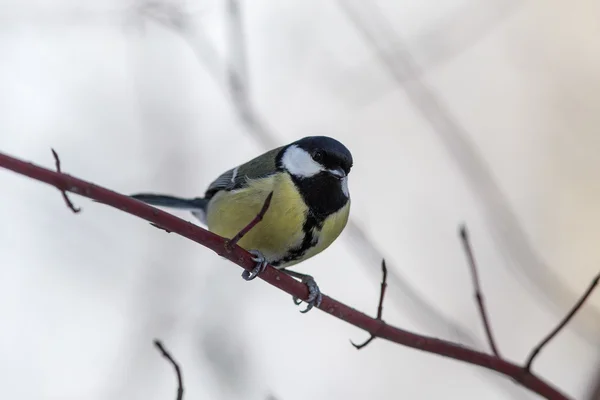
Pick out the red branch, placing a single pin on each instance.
(562, 323)
(233, 241)
(68, 201)
(280, 280)
(477, 286)
(379, 307)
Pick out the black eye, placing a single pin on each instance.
(317, 156)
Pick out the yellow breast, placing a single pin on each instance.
(332, 228)
(280, 231)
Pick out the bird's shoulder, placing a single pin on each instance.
(236, 178)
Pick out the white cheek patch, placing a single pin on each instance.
(345, 187)
(299, 163)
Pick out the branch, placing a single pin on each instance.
(379, 308)
(68, 201)
(175, 365)
(562, 323)
(279, 279)
(233, 241)
(478, 294)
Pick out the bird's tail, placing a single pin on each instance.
(162, 200)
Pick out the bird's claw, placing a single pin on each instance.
(261, 264)
(314, 294)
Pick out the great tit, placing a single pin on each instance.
(308, 211)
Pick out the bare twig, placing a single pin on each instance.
(160, 227)
(281, 280)
(562, 323)
(175, 365)
(233, 241)
(477, 286)
(379, 308)
(68, 201)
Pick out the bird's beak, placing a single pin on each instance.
(337, 172)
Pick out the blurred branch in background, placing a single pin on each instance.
(519, 373)
(454, 34)
(180, 21)
(510, 235)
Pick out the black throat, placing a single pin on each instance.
(322, 193)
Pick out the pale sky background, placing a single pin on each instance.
(455, 111)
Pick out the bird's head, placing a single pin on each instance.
(317, 164)
(314, 155)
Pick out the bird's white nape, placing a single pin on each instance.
(299, 162)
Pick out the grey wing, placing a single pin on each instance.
(226, 181)
(235, 178)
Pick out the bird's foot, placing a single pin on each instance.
(314, 293)
(261, 264)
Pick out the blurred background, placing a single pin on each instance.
(461, 111)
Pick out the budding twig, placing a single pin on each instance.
(478, 295)
(536, 350)
(379, 308)
(68, 201)
(175, 365)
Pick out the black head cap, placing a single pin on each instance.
(327, 151)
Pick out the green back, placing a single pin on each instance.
(236, 178)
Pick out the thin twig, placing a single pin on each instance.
(379, 308)
(160, 227)
(63, 192)
(175, 365)
(233, 241)
(280, 280)
(534, 353)
(478, 293)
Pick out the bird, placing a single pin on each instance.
(309, 208)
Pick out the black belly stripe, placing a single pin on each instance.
(308, 241)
